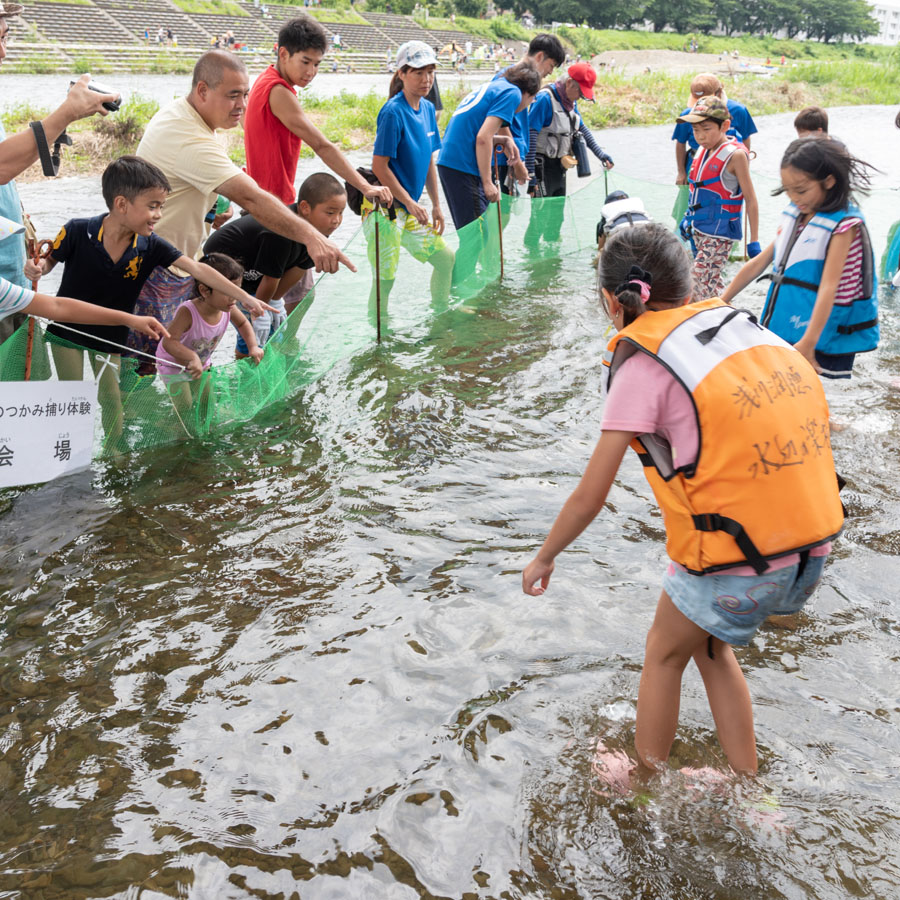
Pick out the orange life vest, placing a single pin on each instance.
(763, 484)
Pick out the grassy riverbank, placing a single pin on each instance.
(643, 99)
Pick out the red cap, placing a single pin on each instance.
(586, 77)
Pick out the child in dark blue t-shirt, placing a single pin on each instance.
(107, 259)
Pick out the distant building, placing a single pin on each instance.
(887, 14)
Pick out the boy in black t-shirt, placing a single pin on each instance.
(107, 260)
(274, 264)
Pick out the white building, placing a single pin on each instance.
(887, 14)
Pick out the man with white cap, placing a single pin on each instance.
(19, 151)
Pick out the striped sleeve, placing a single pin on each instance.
(13, 298)
(850, 287)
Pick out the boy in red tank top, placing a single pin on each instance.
(275, 125)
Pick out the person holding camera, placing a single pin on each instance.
(19, 151)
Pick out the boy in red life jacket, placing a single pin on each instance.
(720, 185)
(275, 125)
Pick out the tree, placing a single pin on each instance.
(682, 15)
(596, 13)
(829, 20)
(474, 8)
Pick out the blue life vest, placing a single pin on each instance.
(713, 209)
(799, 261)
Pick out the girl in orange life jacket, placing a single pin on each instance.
(720, 185)
(723, 462)
(823, 297)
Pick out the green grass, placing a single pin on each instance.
(216, 7)
(588, 41)
(95, 63)
(337, 16)
(38, 64)
(17, 116)
(499, 28)
(348, 119)
(163, 63)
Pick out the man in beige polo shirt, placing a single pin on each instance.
(181, 139)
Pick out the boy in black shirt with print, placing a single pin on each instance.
(274, 264)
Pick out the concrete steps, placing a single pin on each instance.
(62, 22)
(137, 15)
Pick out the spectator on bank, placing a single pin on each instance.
(181, 140)
(19, 151)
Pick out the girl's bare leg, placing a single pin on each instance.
(732, 709)
(672, 641)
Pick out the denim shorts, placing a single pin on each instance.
(732, 607)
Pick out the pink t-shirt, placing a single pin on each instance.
(647, 399)
(201, 337)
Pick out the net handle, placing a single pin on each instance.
(497, 152)
(377, 214)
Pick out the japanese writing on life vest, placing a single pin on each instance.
(779, 452)
(751, 395)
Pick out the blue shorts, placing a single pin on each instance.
(732, 607)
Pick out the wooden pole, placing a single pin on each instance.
(34, 248)
(377, 213)
(499, 206)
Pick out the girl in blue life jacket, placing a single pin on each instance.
(673, 370)
(823, 296)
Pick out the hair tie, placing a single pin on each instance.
(639, 280)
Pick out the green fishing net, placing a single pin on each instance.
(342, 316)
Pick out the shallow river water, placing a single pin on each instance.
(296, 662)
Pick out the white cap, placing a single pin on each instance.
(8, 228)
(416, 55)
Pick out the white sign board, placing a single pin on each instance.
(46, 429)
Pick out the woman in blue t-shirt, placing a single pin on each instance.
(405, 139)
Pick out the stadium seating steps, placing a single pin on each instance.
(55, 34)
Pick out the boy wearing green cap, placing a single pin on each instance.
(720, 184)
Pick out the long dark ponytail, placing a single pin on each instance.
(397, 82)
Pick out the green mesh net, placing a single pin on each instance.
(342, 315)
